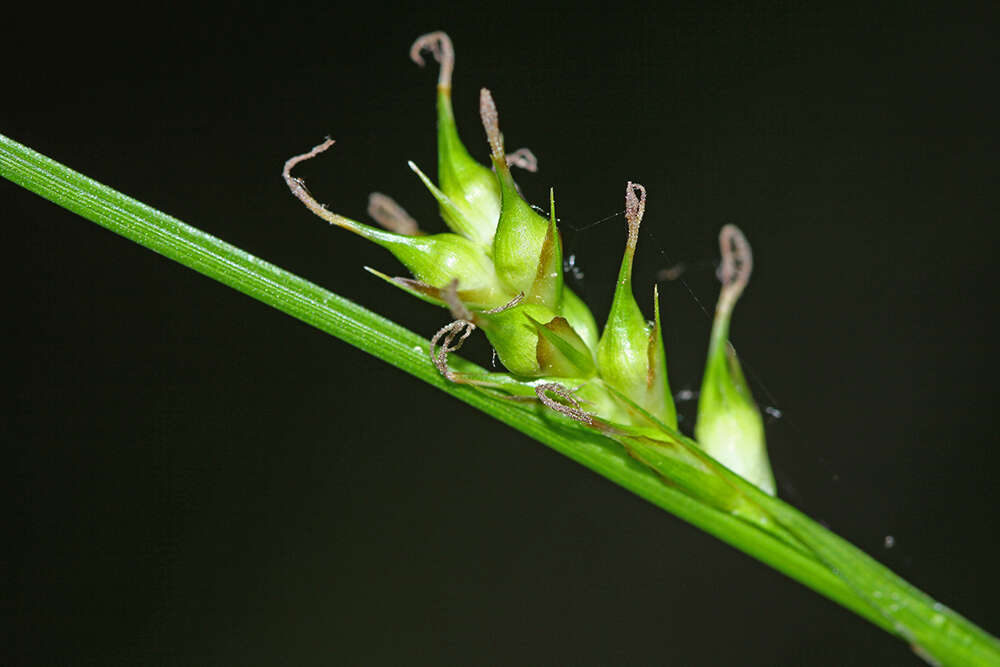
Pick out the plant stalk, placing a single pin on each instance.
(817, 558)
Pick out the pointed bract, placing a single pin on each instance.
(561, 352)
(428, 293)
(657, 384)
(547, 289)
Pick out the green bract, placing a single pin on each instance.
(500, 269)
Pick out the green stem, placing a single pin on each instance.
(829, 565)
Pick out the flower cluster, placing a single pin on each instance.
(500, 269)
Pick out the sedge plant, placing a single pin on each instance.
(600, 395)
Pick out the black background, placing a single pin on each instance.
(199, 479)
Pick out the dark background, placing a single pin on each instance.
(199, 479)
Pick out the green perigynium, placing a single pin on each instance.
(630, 352)
(500, 269)
(729, 425)
(469, 195)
